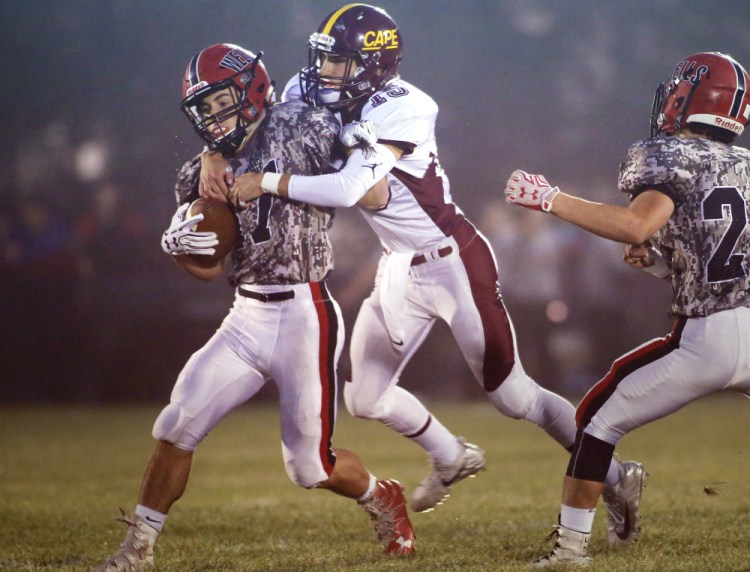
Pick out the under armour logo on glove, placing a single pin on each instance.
(530, 191)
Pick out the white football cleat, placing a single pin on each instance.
(623, 503)
(136, 551)
(436, 486)
(570, 550)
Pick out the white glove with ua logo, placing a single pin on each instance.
(530, 191)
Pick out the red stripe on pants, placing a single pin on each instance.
(325, 358)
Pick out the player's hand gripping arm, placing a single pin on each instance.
(182, 238)
(634, 224)
(360, 135)
(216, 176)
(364, 135)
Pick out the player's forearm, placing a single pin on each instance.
(608, 221)
(344, 188)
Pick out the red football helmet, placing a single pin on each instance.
(219, 67)
(370, 42)
(708, 88)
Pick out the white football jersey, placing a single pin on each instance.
(420, 212)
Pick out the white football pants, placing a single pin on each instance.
(461, 289)
(296, 343)
(700, 357)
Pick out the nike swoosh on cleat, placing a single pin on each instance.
(625, 527)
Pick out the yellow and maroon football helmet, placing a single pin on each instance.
(370, 42)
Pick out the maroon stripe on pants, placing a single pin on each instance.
(480, 266)
(499, 356)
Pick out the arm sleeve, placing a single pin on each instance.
(345, 188)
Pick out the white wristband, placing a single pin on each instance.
(270, 183)
(548, 198)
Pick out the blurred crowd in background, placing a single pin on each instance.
(92, 310)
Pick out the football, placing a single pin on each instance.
(218, 218)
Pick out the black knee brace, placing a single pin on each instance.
(590, 458)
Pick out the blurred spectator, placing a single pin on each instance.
(39, 323)
(116, 254)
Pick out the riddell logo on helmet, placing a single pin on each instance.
(731, 125)
(193, 88)
(375, 40)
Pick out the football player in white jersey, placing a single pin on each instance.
(687, 221)
(278, 267)
(436, 265)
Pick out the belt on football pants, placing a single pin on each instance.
(267, 296)
(434, 255)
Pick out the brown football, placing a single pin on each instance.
(218, 218)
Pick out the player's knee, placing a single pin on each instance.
(359, 403)
(590, 458)
(516, 396)
(170, 427)
(305, 475)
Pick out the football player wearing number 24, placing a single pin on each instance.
(284, 325)
(436, 264)
(687, 221)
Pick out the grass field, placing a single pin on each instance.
(65, 471)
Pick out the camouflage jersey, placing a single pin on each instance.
(707, 238)
(281, 241)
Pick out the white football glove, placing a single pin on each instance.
(530, 191)
(182, 238)
(360, 135)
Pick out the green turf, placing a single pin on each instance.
(65, 471)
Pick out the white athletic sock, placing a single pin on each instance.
(370, 490)
(440, 444)
(578, 519)
(408, 416)
(153, 518)
(614, 474)
(556, 415)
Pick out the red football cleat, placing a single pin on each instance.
(387, 510)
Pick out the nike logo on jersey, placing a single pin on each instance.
(373, 166)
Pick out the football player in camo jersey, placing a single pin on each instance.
(284, 326)
(436, 265)
(687, 221)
